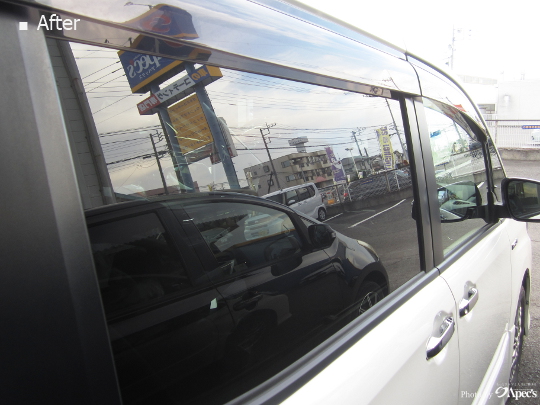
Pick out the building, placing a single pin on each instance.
(291, 170)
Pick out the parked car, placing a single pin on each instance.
(271, 281)
(216, 297)
(304, 198)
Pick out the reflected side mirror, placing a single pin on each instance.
(521, 199)
(321, 236)
(459, 201)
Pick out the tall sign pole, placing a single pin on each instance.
(181, 167)
(215, 128)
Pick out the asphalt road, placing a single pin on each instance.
(391, 231)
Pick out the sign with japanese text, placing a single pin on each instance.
(179, 89)
(144, 70)
(337, 167)
(387, 151)
(190, 125)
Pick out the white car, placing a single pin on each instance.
(116, 289)
(304, 198)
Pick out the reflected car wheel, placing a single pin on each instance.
(321, 215)
(368, 296)
(519, 325)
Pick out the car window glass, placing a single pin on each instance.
(244, 236)
(303, 193)
(460, 173)
(198, 128)
(136, 263)
(291, 197)
(277, 198)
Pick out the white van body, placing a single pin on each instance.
(304, 198)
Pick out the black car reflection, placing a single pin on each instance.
(207, 296)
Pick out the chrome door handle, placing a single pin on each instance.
(437, 343)
(514, 244)
(466, 305)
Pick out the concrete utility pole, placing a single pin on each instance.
(157, 159)
(406, 154)
(356, 140)
(268, 152)
(354, 162)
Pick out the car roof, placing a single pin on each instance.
(184, 197)
(288, 189)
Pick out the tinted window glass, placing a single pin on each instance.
(460, 172)
(216, 140)
(291, 197)
(135, 262)
(277, 198)
(244, 236)
(303, 193)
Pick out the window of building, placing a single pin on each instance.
(266, 169)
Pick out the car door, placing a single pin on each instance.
(280, 291)
(472, 253)
(168, 325)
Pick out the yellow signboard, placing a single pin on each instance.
(190, 125)
(387, 151)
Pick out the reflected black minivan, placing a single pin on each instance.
(211, 288)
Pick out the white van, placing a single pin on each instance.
(305, 198)
(183, 298)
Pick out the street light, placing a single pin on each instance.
(354, 162)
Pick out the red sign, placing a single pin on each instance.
(148, 104)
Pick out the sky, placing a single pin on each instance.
(491, 39)
(494, 39)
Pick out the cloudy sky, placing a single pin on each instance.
(495, 36)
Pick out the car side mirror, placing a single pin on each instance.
(291, 202)
(521, 198)
(321, 236)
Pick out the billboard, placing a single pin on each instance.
(337, 167)
(387, 151)
(144, 70)
(179, 89)
(190, 125)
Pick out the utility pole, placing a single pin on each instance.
(356, 140)
(406, 154)
(354, 162)
(157, 159)
(268, 152)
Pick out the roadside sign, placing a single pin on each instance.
(179, 89)
(530, 127)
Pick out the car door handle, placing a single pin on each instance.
(514, 244)
(437, 343)
(466, 305)
(251, 301)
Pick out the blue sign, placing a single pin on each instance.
(141, 70)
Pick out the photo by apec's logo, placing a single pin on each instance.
(508, 392)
